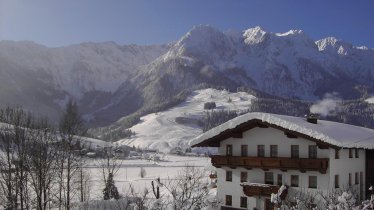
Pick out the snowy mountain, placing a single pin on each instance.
(42, 79)
(162, 131)
(287, 64)
(110, 81)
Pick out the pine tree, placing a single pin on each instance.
(110, 191)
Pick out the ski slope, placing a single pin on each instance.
(160, 131)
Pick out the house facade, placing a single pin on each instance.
(258, 153)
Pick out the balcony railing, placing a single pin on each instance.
(254, 189)
(260, 190)
(282, 163)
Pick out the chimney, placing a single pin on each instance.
(312, 118)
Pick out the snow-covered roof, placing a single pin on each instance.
(332, 133)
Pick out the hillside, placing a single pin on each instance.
(161, 130)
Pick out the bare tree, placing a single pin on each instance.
(160, 203)
(344, 198)
(139, 200)
(188, 190)
(304, 199)
(42, 163)
(84, 180)
(71, 128)
(14, 136)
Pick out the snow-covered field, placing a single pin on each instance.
(93, 143)
(129, 173)
(160, 131)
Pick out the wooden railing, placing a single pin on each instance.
(266, 190)
(282, 163)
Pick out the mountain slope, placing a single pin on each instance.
(41, 79)
(174, 127)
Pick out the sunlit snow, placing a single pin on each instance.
(160, 131)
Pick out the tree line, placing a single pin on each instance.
(39, 167)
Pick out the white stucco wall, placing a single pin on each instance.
(267, 137)
(271, 136)
(345, 165)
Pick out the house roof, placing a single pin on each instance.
(338, 135)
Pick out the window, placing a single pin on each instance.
(279, 179)
(243, 202)
(269, 178)
(312, 181)
(294, 180)
(350, 179)
(244, 150)
(336, 154)
(356, 178)
(229, 176)
(228, 200)
(312, 151)
(336, 181)
(350, 153)
(229, 150)
(273, 150)
(260, 150)
(356, 153)
(294, 151)
(243, 176)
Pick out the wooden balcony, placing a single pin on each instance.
(260, 190)
(266, 163)
(253, 189)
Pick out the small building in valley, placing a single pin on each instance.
(260, 152)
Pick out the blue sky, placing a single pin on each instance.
(63, 22)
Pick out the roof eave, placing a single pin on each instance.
(215, 140)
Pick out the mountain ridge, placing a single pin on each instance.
(110, 81)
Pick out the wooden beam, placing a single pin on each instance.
(290, 135)
(322, 145)
(238, 135)
(262, 125)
